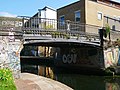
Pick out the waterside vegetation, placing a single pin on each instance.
(6, 80)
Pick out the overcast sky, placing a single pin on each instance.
(14, 8)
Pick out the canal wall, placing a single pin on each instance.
(10, 49)
(112, 57)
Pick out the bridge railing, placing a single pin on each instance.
(56, 28)
(43, 26)
(36, 23)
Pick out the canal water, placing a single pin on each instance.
(75, 80)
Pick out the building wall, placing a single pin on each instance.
(112, 3)
(89, 14)
(69, 11)
(49, 13)
(111, 56)
(47, 17)
(92, 9)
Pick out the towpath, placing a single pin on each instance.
(29, 81)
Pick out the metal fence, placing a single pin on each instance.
(37, 25)
(114, 24)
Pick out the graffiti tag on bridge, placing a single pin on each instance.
(69, 58)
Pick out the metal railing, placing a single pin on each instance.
(43, 26)
(36, 23)
(114, 23)
(53, 27)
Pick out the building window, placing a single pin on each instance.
(77, 16)
(99, 16)
(62, 20)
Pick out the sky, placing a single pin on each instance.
(13, 8)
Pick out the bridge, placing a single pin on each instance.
(35, 31)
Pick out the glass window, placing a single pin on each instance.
(77, 16)
(62, 20)
(99, 16)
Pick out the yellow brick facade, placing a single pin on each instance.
(89, 10)
(92, 9)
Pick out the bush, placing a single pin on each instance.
(6, 80)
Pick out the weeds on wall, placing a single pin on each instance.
(6, 80)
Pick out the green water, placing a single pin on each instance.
(86, 82)
(76, 81)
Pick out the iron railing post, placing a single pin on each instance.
(101, 36)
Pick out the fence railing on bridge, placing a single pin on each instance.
(36, 23)
(43, 26)
(57, 28)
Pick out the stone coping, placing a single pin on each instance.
(29, 81)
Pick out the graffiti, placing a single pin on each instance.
(119, 57)
(111, 57)
(69, 58)
(112, 86)
(8, 57)
(11, 37)
(12, 23)
(12, 56)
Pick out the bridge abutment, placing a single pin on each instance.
(10, 49)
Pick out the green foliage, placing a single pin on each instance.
(67, 36)
(6, 80)
(49, 27)
(28, 32)
(60, 35)
(107, 30)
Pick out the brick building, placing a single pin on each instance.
(92, 13)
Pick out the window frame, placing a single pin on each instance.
(99, 17)
(62, 22)
(77, 16)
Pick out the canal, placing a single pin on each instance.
(76, 81)
(39, 60)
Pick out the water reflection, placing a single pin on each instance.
(85, 82)
(45, 71)
(76, 81)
